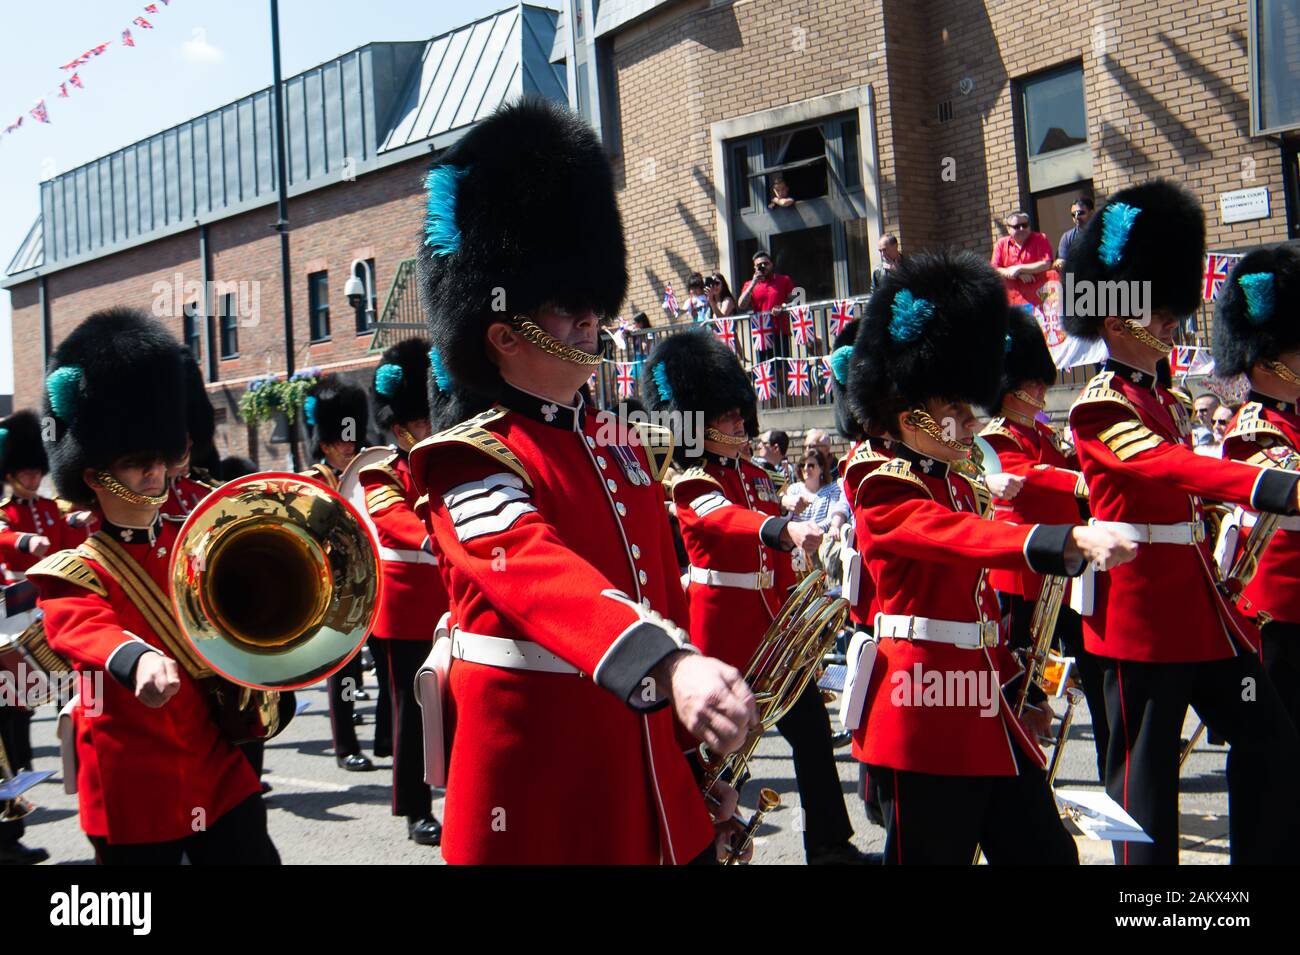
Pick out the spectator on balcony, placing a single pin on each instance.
(638, 337)
(1080, 212)
(816, 496)
(1022, 258)
(767, 292)
(718, 291)
(781, 198)
(697, 303)
(890, 256)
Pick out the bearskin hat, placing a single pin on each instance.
(521, 213)
(449, 403)
(112, 391)
(1257, 316)
(1155, 233)
(936, 328)
(20, 444)
(1028, 357)
(693, 372)
(399, 390)
(841, 359)
(336, 410)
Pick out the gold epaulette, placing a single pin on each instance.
(1251, 425)
(384, 496)
(1080, 485)
(695, 474)
(1100, 390)
(386, 470)
(472, 433)
(204, 477)
(658, 443)
(1129, 437)
(1183, 397)
(322, 472)
(900, 469)
(71, 566)
(864, 455)
(998, 426)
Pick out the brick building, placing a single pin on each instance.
(930, 119)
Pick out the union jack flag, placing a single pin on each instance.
(626, 380)
(762, 330)
(764, 380)
(724, 329)
(1189, 360)
(1217, 268)
(126, 38)
(827, 375)
(152, 8)
(841, 314)
(75, 80)
(801, 323)
(40, 113)
(142, 23)
(670, 301)
(797, 379)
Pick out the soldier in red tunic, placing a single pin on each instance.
(953, 764)
(30, 525)
(414, 597)
(1257, 334)
(1048, 488)
(739, 547)
(1166, 632)
(157, 779)
(568, 659)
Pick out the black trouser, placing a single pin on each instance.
(939, 820)
(16, 735)
(1069, 634)
(411, 795)
(383, 701)
(1147, 704)
(1282, 664)
(342, 688)
(255, 753)
(807, 728)
(237, 838)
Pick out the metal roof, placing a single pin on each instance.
(341, 118)
(466, 74)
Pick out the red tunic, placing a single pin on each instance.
(1051, 493)
(1163, 606)
(1261, 429)
(863, 610)
(20, 518)
(731, 522)
(414, 597)
(546, 525)
(184, 494)
(145, 775)
(928, 550)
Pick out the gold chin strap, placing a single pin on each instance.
(921, 420)
(1028, 399)
(1283, 372)
(406, 436)
(1146, 338)
(534, 333)
(119, 490)
(727, 440)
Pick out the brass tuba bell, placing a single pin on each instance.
(275, 581)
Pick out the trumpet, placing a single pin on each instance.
(778, 672)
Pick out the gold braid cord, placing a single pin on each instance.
(119, 490)
(713, 434)
(1029, 399)
(922, 421)
(1283, 372)
(532, 332)
(1146, 338)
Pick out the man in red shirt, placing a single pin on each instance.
(767, 291)
(1022, 259)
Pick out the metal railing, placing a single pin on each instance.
(403, 314)
(785, 347)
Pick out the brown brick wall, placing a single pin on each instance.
(376, 216)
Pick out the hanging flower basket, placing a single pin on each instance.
(268, 396)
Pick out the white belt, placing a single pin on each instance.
(759, 580)
(970, 635)
(407, 556)
(506, 653)
(1187, 532)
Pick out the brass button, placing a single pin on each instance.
(591, 442)
(644, 578)
(621, 508)
(602, 462)
(636, 552)
(612, 485)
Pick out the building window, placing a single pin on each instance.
(190, 329)
(318, 302)
(1056, 157)
(367, 310)
(1275, 55)
(229, 326)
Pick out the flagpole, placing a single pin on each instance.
(282, 222)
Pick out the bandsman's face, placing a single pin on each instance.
(143, 473)
(338, 453)
(732, 424)
(578, 329)
(28, 480)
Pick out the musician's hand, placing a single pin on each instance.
(1004, 486)
(805, 534)
(728, 834)
(38, 545)
(722, 801)
(157, 678)
(1100, 545)
(1037, 719)
(712, 700)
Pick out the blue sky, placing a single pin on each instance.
(200, 54)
